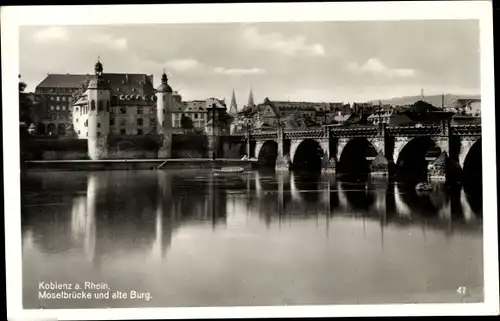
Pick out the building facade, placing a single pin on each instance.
(197, 112)
(61, 97)
(301, 114)
(132, 106)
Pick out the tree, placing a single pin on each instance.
(298, 120)
(422, 107)
(186, 122)
(25, 105)
(78, 93)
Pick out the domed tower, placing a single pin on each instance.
(164, 104)
(99, 99)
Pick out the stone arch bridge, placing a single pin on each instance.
(436, 151)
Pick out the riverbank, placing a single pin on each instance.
(134, 164)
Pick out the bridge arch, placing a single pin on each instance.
(472, 168)
(266, 153)
(413, 159)
(308, 155)
(356, 157)
(51, 129)
(41, 129)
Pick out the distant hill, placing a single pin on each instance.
(435, 100)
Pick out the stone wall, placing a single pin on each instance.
(53, 149)
(189, 146)
(133, 147)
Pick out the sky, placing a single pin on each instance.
(342, 61)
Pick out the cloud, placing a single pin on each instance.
(51, 34)
(374, 66)
(183, 64)
(277, 42)
(110, 41)
(239, 71)
(193, 65)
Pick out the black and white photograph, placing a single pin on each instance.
(246, 157)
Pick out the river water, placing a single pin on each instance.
(187, 238)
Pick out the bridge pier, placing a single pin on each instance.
(282, 161)
(438, 169)
(328, 164)
(381, 166)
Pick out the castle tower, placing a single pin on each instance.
(98, 97)
(164, 105)
(250, 99)
(233, 108)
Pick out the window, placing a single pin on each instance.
(139, 110)
(123, 110)
(139, 122)
(63, 107)
(107, 106)
(57, 98)
(113, 110)
(77, 120)
(86, 123)
(98, 125)
(63, 98)
(139, 132)
(51, 107)
(98, 134)
(122, 122)
(123, 131)
(76, 109)
(99, 108)
(78, 132)
(87, 134)
(92, 105)
(57, 107)
(196, 116)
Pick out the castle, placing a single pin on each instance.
(95, 114)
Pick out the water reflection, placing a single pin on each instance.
(105, 216)
(121, 209)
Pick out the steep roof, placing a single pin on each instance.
(63, 81)
(203, 105)
(233, 109)
(120, 84)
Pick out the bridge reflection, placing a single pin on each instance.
(296, 196)
(104, 214)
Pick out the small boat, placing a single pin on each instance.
(423, 187)
(229, 170)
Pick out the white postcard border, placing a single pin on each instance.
(13, 17)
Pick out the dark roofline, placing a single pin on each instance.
(89, 77)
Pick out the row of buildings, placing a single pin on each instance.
(59, 105)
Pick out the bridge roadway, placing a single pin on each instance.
(382, 149)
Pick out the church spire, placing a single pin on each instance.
(233, 109)
(250, 99)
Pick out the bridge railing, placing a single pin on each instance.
(361, 131)
(466, 130)
(294, 134)
(414, 130)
